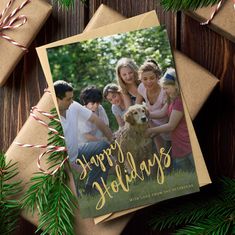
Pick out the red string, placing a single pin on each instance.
(49, 148)
(2, 171)
(217, 8)
(10, 22)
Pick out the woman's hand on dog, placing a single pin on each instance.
(150, 132)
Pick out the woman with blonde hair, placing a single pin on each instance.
(127, 78)
(182, 157)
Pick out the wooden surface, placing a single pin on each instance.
(214, 125)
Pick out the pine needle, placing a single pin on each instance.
(9, 208)
(178, 5)
(65, 3)
(208, 212)
(214, 226)
(50, 193)
(68, 3)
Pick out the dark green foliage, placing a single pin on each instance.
(66, 3)
(208, 212)
(50, 193)
(218, 225)
(177, 5)
(9, 208)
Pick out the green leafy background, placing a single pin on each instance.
(93, 61)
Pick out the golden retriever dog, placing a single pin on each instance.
(132, 139)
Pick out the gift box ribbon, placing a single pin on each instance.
(49, 148)
(9, 22)
(217, 8)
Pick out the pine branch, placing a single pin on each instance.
(50, 194)
(178, 5)
(206, 206)
(65, 3)
(9, 208)
(68, 3)
(59, 219)
(228, 187)
(217, 225)
(36, 194)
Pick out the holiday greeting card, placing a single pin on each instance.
(196, 85)
(123, 119)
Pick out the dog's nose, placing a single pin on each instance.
(143, 119)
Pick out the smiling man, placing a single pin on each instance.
(73, 114)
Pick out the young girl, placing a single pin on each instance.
(91, 98)
(155, 98)
(127, 78)
(112, 93)
(181, 148)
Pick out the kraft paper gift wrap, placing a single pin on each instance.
(37, 12)
(34, 133)
(224, 20)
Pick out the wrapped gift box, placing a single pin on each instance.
(223, 22)
(37, 12)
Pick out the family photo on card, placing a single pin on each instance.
(123, 120)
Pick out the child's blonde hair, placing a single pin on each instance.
(122, 63)
(169, 78)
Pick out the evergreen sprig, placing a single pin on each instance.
(68, 3)
(65, 3)
(218, 225)
(9, 208)
(178, 5)
(175, 5)
(50, 194)
(208, 212)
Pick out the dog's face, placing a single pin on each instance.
(136, 115)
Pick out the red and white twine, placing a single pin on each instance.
(9, 22)
(59, 149)
(217, 8)
(2, 171)
(48, 115)
(49, 148)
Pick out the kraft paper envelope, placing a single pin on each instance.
(202, 82)
(34, 132)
